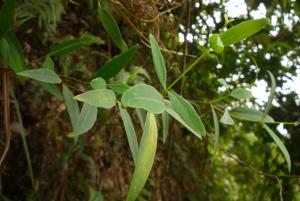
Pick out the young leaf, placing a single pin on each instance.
(111, 27)
(41, 74)
(72, 106)
(86, 120)
(216, 44)
(217, 128)
(144, 96)
(145, 158)
(271, 96)
(223, 82)
(119, 87)
(103, 98)
(226, 118)
(243, 30)
(187, 113)
(7, 13)
(158, 61)
(114, 66)
(166, 125)
(130, 133)
(241, 93)
(98, 83)
(280, 145)
(250, 115)
(48, 63)
(69, 46)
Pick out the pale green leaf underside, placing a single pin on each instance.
(86, 120)
(72, 106)
(250, 115)
(98, 83)
(226, 118)
(241, 93)
(41, 74)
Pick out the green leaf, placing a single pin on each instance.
(86, 120)
(144, 96)
(145, 158)
(72, 106)
(280, 145)
(216, 44)
(103, 98)
(141, 114)
(241, 93)
(165, 125)
(271, 96)
(114, 66)
(243, 30)
(217, 128)
(119, 87)
(48, 63)
(98, 83)
(223, 82)
(158, 61)
(130, 133)
(69, 46)
(7, 13)
(250, 115)
(41, 74)
(226, 118)
(52, 89)
(111, 28)
(187, 113)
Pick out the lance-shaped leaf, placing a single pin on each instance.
(111, 27)
(72, 106)
(145, 158)
(98, 83)
(241, 93)
(158, 61)
(250, 115)
(70, 46)
(226, 118)
(130, 132)
(271, 96)
(144, 96)
(7, 13)
(280, 145)
(41, 74)
(217, 128)
(103, 98)
(165, 125)
(115, 65)
(187, 113)
(86, 120)
(243, 30)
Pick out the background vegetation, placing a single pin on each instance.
(247, 166)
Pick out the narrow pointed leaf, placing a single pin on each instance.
(217, 128)
(70, 46)
(41, 74)
(280, 146)
(226, 118)
(145, 97)
(130, 132)
(141, 114)
(103, 98)
(271, 96)
(52, 89)
(241, 93)
(7, 13)
(243, 30)
(250, 115)
(111, 27)
(187, 113)
(165, 125)
(158, 61)
(86, 120)
(98, 83)
(72, 106)
(145, 158)
(115, 65)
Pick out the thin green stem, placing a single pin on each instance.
(24, 141)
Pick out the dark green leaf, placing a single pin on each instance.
(41, 74)
(250, 114)
(72, 106)
(113, 66)
(217, 128)
(241, 93)
(52, 89)
(165, 125)
(48, 63)
(7, 13)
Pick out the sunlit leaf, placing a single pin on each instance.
(241, 93)
(72, 106)
(250, 114)
(217, 128)
(145, 158)
(103, 98)
(98, 83)
(243, 30)
(216, 44)
(158, 61)
(226, 118)
(111, 27)
(144, 96)
(130, 132)
(165, 125)
(86, 120)
(70, 46)
(280, 146)
(114, 66)
(7, 13)
(187, 113)
(41, 74)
